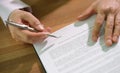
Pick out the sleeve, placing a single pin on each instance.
(7, 6)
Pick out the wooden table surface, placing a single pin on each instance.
(17, 57)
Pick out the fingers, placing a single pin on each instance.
(117, 28)
(98, 24)
(28, 36)
(32, 37)
(86, 14)
(33, 21)
(109, 29)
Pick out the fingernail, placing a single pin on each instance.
(108, 42)
(41, 27)
(94, 39)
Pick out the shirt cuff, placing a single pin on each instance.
(7, 7)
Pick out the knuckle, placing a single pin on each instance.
(104, 8)
(99, 22)
(107, 37)
(109, 26)
(116, 34)
(113, 9)
(117, 23)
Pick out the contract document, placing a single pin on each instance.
(74, 51)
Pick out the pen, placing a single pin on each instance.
(25, 27)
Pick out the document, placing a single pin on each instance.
(74, 51)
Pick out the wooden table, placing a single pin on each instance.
(17, 57)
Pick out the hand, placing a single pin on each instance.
(27, 36)
(109, 10)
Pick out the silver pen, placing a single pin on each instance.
(25, 27)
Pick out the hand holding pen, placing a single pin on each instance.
(27, 36)
(25, 27)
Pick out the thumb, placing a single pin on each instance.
(87, 13)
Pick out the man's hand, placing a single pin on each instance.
(108, 10)
(27, 36)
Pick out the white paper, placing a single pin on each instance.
(74, 51)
